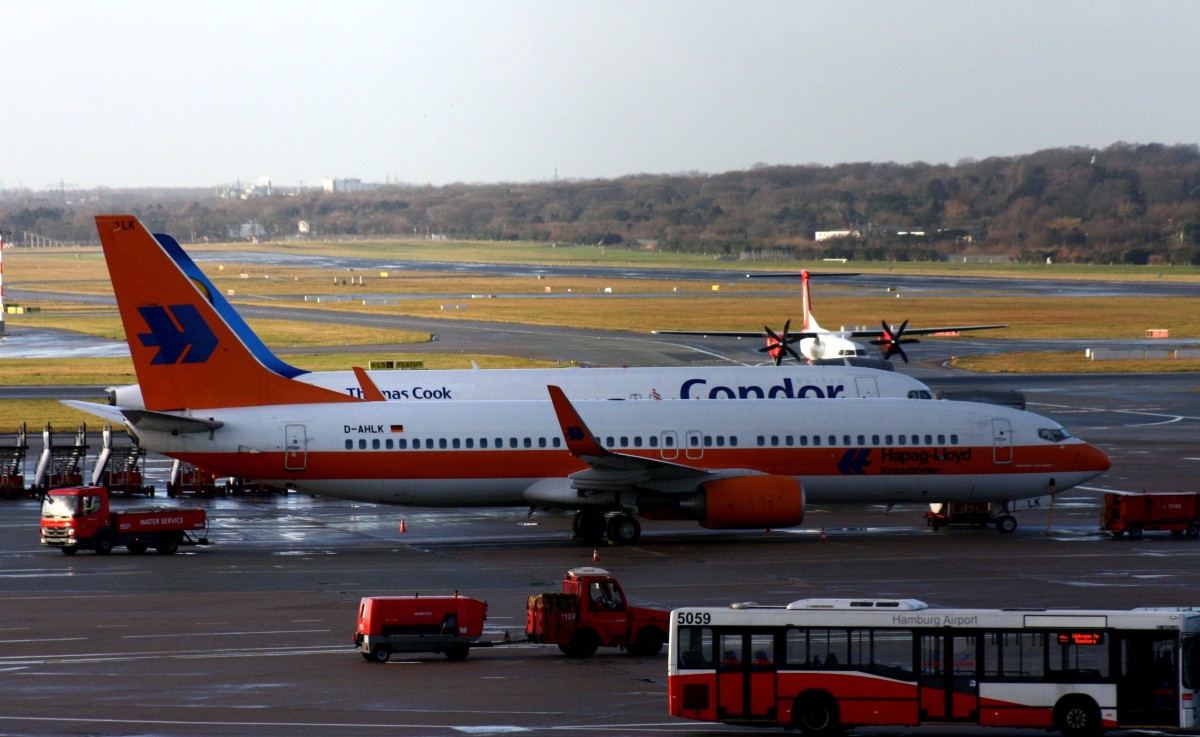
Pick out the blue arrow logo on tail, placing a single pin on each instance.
(574, 432)
(854, 461)
(191, 335)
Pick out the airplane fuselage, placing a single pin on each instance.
(660, 382)
(493, 453)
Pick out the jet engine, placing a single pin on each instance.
(738, 503)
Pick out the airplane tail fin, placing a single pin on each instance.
(190, 348)
(810, 322)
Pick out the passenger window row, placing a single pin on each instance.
(452, 443)
(804, 441)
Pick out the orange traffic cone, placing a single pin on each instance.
(402, 527)
(595, 555)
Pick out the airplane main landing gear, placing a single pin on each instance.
(590, 526)
(623, 529)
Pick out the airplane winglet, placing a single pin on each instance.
(370, 391)
(580, 440)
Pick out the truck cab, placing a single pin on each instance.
(72, 514)
(592, 611)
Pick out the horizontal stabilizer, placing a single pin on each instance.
(143, 419)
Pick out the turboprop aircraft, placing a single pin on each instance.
(738, 464)
(819, 344)
(676, 382)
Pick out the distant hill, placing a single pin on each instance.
(1125, 203)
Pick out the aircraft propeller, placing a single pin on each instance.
(890, 342)
(779, 347)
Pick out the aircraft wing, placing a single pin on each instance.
(918, 331)
(614, 471)
(756, 333)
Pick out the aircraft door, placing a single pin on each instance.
(867, 387)
(295, 443)
(694, 448)
(669, 446)
(1002, 449)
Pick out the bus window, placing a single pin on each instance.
(695, 647)
(827, 648)
(762, 647)
(883, 652)
(1014, 655)
(1078, 655)
(731, 651)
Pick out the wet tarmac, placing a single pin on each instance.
(252, 635)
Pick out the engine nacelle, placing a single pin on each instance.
(738, 503)
(748, 502)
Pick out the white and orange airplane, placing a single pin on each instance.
(818, 344)
(738, 464)
(660, 382)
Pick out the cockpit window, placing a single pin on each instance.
(919, 394)
(1053, 434)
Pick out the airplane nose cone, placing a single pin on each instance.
(1093, 459)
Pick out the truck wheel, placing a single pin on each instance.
(68, 549)
(649, 641)
(459, 651)
(168, 545)
(1135, 532)
(623, 529)
(1006, 524)
(1193, 529)
(583, 644)
(137, 548)
(105, 541)
(380, 653)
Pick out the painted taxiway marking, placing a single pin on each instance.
(232, 633)
(1167, 418)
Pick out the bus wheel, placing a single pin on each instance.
(1077, 716)
(816, 714)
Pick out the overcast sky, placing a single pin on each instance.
(165, 93)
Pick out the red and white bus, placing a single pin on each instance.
(821, 665)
